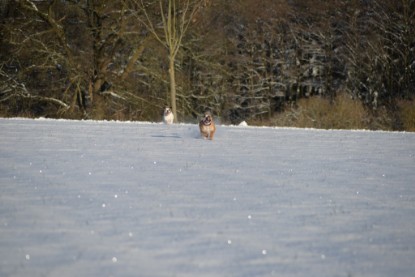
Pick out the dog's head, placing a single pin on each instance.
(166, 111)
(207, 119)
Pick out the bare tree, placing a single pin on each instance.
(175, 20)
(30, 47)
(71, 51)
(380, 52)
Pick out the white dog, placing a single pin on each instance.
(168, 116)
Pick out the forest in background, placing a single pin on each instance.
(323, 64)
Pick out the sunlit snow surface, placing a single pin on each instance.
(85, 198)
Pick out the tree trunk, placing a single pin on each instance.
(172, 87)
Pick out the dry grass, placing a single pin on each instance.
(407, 114)
(318, 112)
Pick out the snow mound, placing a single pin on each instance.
(243, 124)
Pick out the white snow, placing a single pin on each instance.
(92, 198)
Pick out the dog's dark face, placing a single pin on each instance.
(167, 111)
(207, 119)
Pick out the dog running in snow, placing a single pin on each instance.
(168, 116)
(207, 126)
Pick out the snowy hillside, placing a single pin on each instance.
(83, 198)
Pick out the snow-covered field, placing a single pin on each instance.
(85, 198)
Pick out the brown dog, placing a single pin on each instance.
(207, 126)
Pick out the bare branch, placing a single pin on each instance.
(12, 89)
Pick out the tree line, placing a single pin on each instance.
(244, 60)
